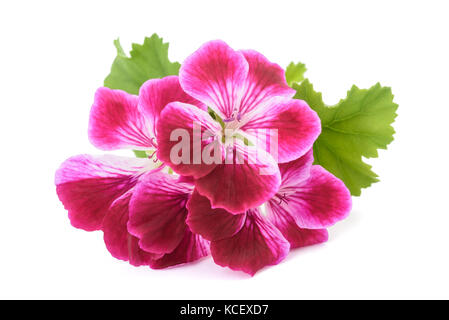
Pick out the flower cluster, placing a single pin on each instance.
(241, 185)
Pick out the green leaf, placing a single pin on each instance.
(147, 61)
(295, 72)
(356, 127)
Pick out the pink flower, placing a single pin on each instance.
(249, 94)
(249, 212)
(309, 200)
(100, 191)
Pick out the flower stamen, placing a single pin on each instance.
(282, 198)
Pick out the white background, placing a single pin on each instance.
(55, 54)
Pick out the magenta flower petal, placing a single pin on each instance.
(116, 122)
(120, 243)
(211, 224)
(215, 74)
(88, 185)
(256, 245)
(237, 187)
(176, 116)
(297, 171)
(297, 127)
(191, 248)
(317, 202)
(158, 212)
(298, 237)
(155, 94)
(265, 81)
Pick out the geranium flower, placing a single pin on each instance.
(98, 191)
(309, 200)
(248, 94)
(225, 98)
